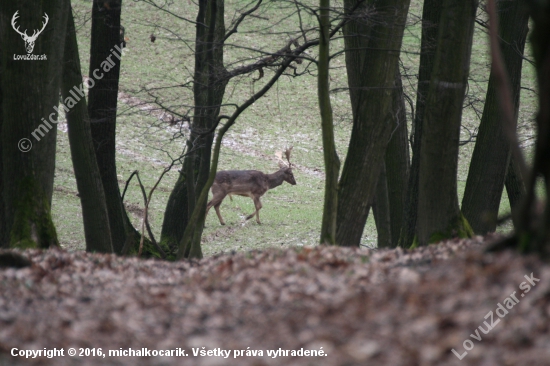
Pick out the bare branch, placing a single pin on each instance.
(240, 19)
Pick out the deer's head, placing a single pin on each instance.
(29, 40)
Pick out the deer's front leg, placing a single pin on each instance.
(258, 206)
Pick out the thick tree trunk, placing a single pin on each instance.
(88, 180)
(208, 90)
(33, 93)
(490, 159)
(397, 161)
(373, 42)
(431, 15)
(102, 107)
(439, 216)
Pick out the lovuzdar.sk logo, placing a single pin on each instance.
(29, 40)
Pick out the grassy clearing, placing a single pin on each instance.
(287, 116)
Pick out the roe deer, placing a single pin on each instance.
(249, 183)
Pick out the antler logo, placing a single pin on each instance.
(29, 40)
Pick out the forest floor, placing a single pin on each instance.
(348, 306)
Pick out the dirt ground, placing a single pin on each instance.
(307, 306)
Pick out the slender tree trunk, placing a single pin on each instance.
(381, 211)
(209, 89)
(397, 161)
(491, 156)
(373, 42)
(4, 238)
(33, 93)
(102, 107)
(533, 229)
(332, 162)
(88, 180)
(439, 216)
(431, 15)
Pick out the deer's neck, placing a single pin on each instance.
(275, 179)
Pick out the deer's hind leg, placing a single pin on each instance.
(258, 206)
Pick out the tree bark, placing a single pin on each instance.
(439, 216)
(491, 156)
(373, 41)
(102, 108)
(176, 214)
(515, 185)
(88, 180)
(381, 212)
(34, 92)
(431, 15)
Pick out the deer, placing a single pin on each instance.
(249, 183)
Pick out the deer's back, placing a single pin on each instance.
(241, 182)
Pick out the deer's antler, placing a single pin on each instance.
(37, 33)
(287, 154)
(24, 34)
(13, 19)
(279, 155)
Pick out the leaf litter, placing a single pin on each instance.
(359, 306)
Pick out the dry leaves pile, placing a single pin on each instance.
(385, 307)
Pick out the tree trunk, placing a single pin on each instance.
(4, 238)
(397, 161)
(533, 229)
(431, 15)
(439, 216)
(381, 212)
(33, 93)
(372, 41)
(208, 90)
(88, 180)
(491, 155)
(102, 107)
(332, 162)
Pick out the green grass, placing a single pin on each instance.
(287, 116)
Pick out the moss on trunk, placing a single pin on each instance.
(32, 226)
